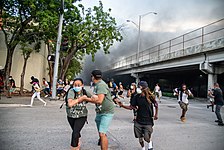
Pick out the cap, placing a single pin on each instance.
(143, 84)
(97, 73)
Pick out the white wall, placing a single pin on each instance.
(37, 64)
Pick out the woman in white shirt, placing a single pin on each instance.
(36, 94)
(183, 95)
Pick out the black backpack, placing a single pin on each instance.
(66, 96)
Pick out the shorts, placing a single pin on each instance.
(103, 121)
(11, 90)
(183, 105)
(143, 131)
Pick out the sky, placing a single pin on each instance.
(174, 18)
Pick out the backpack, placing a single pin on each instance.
(66, 96)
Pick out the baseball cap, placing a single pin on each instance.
(97, 73)
(143, 84)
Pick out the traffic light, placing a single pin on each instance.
(50, 57)
(64, 44)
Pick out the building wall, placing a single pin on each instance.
(37, 64)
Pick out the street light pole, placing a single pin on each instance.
(139, 31)
(57, 53)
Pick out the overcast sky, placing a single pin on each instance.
(175, 17)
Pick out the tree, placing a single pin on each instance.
(87, 31)
(27, 49)
(21, 19)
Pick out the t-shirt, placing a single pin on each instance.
(144, 111)
(218, 96)
(184, 96)
(36, 87)
(46, 84)
(12, 83)
(78, 110)
(107, 106)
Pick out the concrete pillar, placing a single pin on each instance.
(137, 77)
(212, 78)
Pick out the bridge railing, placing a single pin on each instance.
(175, 47)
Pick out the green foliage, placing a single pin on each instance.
(87, 29)
(74, 69)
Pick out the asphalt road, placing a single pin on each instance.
(46, 128)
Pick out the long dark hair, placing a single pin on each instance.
(149, 96)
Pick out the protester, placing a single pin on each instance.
(60, 88)
(33, 79)
(182, 95)
(143, 102)
(36, 94)
(104, 107)
(11, 86)
(211, 99)
(131, 93)
(219, 102)
(158, 92)
(46, 87)
(76, 111)
(121, 90)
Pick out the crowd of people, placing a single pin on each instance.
(143, 102)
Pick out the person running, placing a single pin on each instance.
(104, 107)
(121, 90)
(37, 89)
(211, 99)
(219, 102)
(182, 97)
(33, 79)
(158, 92)
(60, 88)
(11, 86)
(46, 87)
(143, 102)
(76, 111)
(131, 93)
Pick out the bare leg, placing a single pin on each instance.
(104, 141)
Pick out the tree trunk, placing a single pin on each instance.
(8, 65)
(23, 75)
(66, 63)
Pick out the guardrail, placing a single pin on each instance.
(174, 48)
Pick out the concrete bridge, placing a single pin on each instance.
(196, 53)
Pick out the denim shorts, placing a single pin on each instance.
(103, 121)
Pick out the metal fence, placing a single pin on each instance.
(179, 44)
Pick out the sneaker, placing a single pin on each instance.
(207, 106)
(221, 124)
(217, 121)
(46, 96)
(183, 119)
(99, 142)
(150, 149)
(45, 104)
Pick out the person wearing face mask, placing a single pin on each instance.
(143, 101)
(104, 107)
(131, 93)
(76, 111)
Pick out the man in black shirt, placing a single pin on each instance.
(219, 102)
(143, 102)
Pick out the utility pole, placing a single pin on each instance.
(55, 76)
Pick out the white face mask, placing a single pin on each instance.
(132, 87)
(139, 91)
